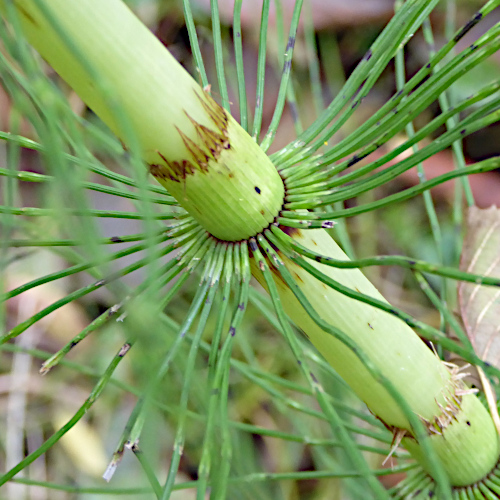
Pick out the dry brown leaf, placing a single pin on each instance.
(479, 304)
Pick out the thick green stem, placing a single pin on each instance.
(221, 176)
(125, 75)
(467, 446)
(462, 432)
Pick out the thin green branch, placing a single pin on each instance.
(96, 392)
(195, 44)
(400, 28)
(444, 102)
(219, 54)
(285, 77)
(392, 112)
(240, 71)
(483, 166)
(425, 330)
(418, 429)
(92, 166)
(261, 70)
(179, 236)
(204, 296)
(387, 260)
(338, 428)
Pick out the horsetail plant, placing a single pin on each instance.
(232, 211)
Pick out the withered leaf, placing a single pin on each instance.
(480, 304)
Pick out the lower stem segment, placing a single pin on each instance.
(468, 445)
(461, 430)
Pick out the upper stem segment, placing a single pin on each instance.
(193, 146)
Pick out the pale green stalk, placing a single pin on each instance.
(468, 451)
(225, 181)
(144, 95)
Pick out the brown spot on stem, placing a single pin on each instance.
(28, 17)
(209, 147)
(291, 231)
(448, 412)
(201, 158)
(175, 171)
(298, 278)
(452, 402)
(277, 275)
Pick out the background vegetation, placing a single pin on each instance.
(65, 211)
